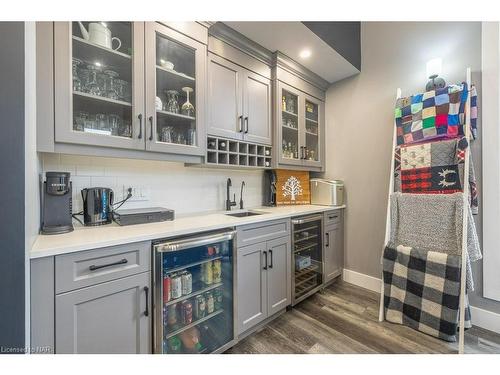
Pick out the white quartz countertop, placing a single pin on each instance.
(86, 238)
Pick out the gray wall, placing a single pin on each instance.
(12, 305)
(359, 116)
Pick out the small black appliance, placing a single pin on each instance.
(270, 188)
(56, 202)
(143, 215)
(97, 206)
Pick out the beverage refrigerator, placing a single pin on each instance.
(193, 300)
(307, 256)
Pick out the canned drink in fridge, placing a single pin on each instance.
(176, 286)
(208, 276)
(186, 312)
(166, 289)
(187, 283)
(217, 270)
(210, 302)
(218, 298)
(200, 307)
(210, 251)
(171, 314)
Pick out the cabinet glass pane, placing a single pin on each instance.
(175, 92)
(197, 290)
(102, 78)
(312, 131)
(289, 125)
(308, 258)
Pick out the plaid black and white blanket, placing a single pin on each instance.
(422, 291)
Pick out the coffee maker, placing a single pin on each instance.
(56, 202)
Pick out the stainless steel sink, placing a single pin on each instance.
(245, 214)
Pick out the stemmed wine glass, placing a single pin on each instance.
(187, 108)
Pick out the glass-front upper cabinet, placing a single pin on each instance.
(175, 91)
(289, 148)
(311, 151)
(300, 131)
(99, 70)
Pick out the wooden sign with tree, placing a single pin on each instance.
(292, 187)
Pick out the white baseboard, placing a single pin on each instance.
(362, 280)
(480, 317)
(485, 319)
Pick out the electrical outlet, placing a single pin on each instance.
(139, 193)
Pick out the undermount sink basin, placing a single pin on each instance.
(245, 214)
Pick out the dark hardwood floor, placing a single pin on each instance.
(344, 319)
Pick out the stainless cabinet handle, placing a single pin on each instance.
(271, 254)
(265, 257)
(246, 124)
(327, 239)
(146, 290)
(94, 267)
(240, 122)
(140, 126)
(151, 127)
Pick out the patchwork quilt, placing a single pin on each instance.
(434, 114)
(434, 168)
(422, 291)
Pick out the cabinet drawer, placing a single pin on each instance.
(267, 230)
(333, 217)
(91, 267)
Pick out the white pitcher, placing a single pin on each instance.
(99, 34)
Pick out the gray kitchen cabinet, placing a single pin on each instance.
(333, 245)
(300, 130)
(99, 91)
(278, 287)
(175, 91)
(225, 104)
(239, 102)
(263, 281)
(251, 286)
(112, 317)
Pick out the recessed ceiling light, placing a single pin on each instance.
(305, 53)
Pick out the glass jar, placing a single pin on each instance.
(110, 84)
(115, 122)
(77, 82)
(93, 86)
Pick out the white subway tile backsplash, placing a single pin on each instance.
(172, 185)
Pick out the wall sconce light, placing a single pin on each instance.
(433, 72)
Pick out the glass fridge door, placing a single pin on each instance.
(194, 287)
(308, 256)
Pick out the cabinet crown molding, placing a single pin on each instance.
(237, 40)
(280, 60)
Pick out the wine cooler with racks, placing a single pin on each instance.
(307, 256)
(193, 294)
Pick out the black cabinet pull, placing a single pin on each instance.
(333, 217)
(327, 239)
(302, 157)
(271, 254)
(140, 126)
(146, 290)
(246, 124)
(94, 267)
(240, 122)
(151, 127)
(265, 257)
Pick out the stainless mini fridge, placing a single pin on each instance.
(193, 299)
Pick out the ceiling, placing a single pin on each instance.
(291, 38)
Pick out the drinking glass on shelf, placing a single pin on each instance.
(114, 123)
(93, 86)
(77, 82)
(167, 134)
(101, 122)
(172, 104)
(122, 90)
(81, 117)
(191, 137)
(89, 123)
(125, 129)
(187, 107)
(290, 105)
(83, 74)
(110, 78)
(181, 139)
